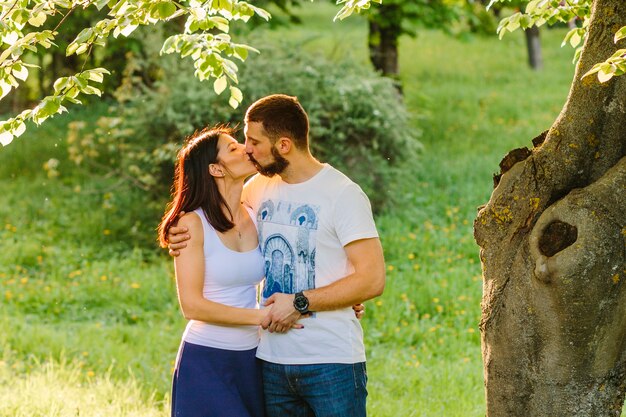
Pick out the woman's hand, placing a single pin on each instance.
(265, 312)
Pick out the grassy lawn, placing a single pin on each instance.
(89, 323)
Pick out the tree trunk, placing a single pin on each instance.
(382, 39)
(533, 45)
(553, 252)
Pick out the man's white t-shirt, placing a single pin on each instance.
(303, 229)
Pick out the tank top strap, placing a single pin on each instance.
(209, 232)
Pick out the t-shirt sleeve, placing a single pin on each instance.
(353, 216)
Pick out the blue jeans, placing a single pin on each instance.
(319, 390)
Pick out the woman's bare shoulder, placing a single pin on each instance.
(191, 221)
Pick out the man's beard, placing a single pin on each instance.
(273, 168)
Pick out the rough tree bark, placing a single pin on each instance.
(533, 46)
(553, 252)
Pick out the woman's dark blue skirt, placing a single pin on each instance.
(210, 382)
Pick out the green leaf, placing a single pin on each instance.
(162, 10)
(220, 85)
(82, 49)
(38, 19)
(241, 52)
(5, 88)
(6, 138)
(264, 14)
(187, 49)
(577, 55)
(21, 128)
(344, 12)
(168, 45)
(10, 37)
(230, 69)
(101, 3)
(605, 76)
(620, 53)
(621, 34)
(84, 35)
(20, 72)
(220, 23)
(46, 109)
(60, 84)
(20, 16)
(530, 7)
(79, 82)
(91, 90)
(491, 3)
(71, 48)
(514, 22)
(606, 72)
(593, 70)
(96, 75)
(233, 103)
(73, 100)
(236, 94)
(11, 79)
(72, 93)
(192, 26)
(127, 30)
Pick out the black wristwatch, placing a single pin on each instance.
(301, 303)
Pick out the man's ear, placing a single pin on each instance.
(283, 145)
(216, 171)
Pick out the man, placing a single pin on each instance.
(322, 256)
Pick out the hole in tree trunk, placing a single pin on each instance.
(556, 237)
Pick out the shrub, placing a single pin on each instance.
(358, 121)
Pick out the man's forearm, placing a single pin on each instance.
(346, 292)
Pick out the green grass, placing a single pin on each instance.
(89, 313)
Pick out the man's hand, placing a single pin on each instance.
(359, 310)
(178, 239)
(283, 315)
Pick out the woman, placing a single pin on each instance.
(217, 274)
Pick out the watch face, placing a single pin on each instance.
(301, 303)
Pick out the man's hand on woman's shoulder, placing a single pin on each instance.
(177, 237)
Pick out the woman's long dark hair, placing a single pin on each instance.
(194, 186)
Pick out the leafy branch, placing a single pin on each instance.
(205, 40)
(540, 12)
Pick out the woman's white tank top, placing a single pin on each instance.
(230, 278)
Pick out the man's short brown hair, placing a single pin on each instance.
(281, 116)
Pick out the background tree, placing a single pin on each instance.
(532, 36)
(553, 238)
(533, 47)
(391, 19)
(394, 18)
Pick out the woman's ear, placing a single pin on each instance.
(216, 171)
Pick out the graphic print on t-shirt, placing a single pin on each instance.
(287, 232)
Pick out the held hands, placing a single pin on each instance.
(283, 316)
(266, 321)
